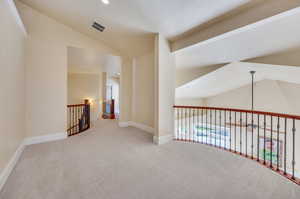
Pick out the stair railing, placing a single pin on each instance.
(78, 118)
(268, 138)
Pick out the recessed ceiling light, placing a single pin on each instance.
(106, 2)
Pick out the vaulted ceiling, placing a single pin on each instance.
(130, 23)
(223, 80)
(275, 34)
(199, 31)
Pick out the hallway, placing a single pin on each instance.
(110, 162)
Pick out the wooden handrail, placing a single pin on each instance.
(296, 117)
(75, 105)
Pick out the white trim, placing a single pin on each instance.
(45, 138)
(143, 127)
(17, 16)
(159, 140)
(11, 165)
(244, 28)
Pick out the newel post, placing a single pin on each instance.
(87, 105)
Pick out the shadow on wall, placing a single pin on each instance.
(185, 75)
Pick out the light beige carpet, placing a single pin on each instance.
(109, 162)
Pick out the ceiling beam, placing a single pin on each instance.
(249, 13)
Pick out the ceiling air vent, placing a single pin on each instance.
(98, 27)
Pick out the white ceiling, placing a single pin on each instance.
(271, 35)
(174, 17)
(130, 23)
(90, 61)
(236, 75)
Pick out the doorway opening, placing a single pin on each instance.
(93, 77)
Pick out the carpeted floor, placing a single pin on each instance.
(110, 162)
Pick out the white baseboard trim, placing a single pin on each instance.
(159, 140)
(27, 141)
(143, 127)
(11, 165)
(45, 138)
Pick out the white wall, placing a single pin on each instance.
(46, 70)
(86, 86)
(164, 89)
(12, 81)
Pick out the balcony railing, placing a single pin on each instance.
(271, 139)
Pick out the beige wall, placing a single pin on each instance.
(289, 57)
(269, 95)
(185, 75)
(115, 83)
(86, 86)
(46, 70)
(143, 90)
(164, 87)
(126, 91)
(12, 81)
(190, 102)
